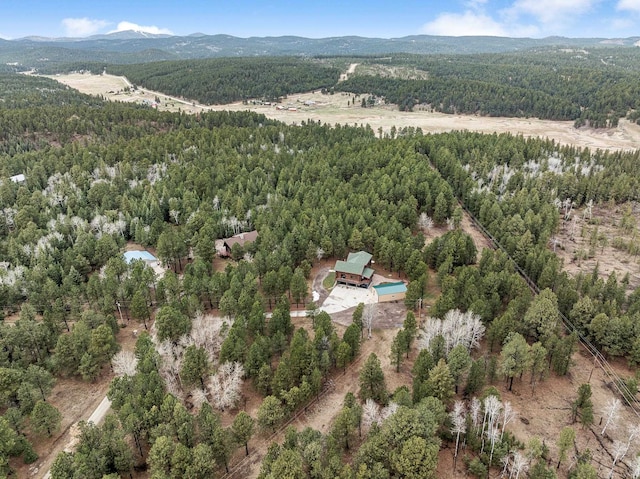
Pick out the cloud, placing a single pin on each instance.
(553, 11)
(475, 4)
(633, 5)
(125, 26)
(82, 27)
(464, 24)
(618, 24)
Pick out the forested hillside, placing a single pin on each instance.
(224, 80)
(135, 47)
(595, 86)
(99, 175)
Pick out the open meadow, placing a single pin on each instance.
(345, 109)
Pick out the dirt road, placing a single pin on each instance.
(100, 412)
(345, 76)
(96, 417)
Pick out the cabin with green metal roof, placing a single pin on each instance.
(356, 270)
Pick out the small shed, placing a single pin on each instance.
(18, 178)
(388, 292)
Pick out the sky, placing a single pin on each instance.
(326, 18)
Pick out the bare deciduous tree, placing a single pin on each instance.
(492, 408)
(611, 413)
(124, 363)
(474, 412)
(573, 228)
(369, 316)
(226, 384)
(588, 211)
(207, 333)
(567, 205)
(619, 450)
(633, 432)
(388, 411)
(198, 397)
(506, 463)
(370, 413)
(456, 328)
(173, 387)
(425, 222)
(450, 224)
(458, 425)
(508, 415)
(493, 434)
(520, 464)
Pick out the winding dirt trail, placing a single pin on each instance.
(345, 76)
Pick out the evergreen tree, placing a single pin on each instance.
(399, 347)
(270, 412)
(476, 378)
(242, 429)
(440, 383)
(582, 407)
(195, 366)
(565, 441)
(417, 459)
(513, 357)
(372, 383)
(171, 324)
(45, 419)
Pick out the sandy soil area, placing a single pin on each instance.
(339, 108)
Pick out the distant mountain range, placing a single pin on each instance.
(138, 47)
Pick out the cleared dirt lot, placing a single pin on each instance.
(339, 108)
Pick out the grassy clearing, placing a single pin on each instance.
(329, 281)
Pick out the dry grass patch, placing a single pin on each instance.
(604, 239)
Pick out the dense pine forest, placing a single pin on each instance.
(98, 175)
(595, 86)
(223, 80)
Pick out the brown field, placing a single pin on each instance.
(339, 108)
